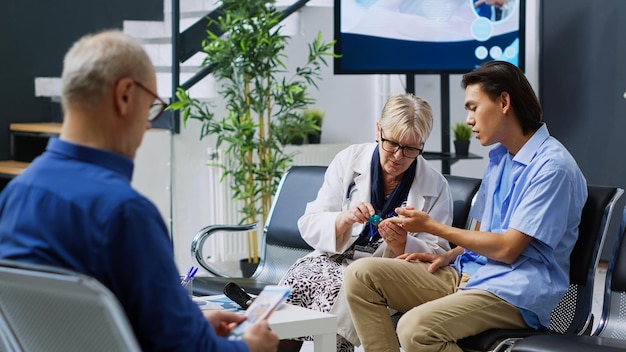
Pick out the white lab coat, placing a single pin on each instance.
(429, 192)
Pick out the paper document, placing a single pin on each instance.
(261, 308)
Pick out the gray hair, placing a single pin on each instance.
(95, 62)
(407, 115)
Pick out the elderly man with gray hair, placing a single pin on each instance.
(74, 206)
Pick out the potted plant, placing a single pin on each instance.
(263, 102)
(462, 135)
(316, 116)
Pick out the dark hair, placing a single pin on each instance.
(496, 77)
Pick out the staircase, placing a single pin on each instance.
(156, 37)
(28, 140)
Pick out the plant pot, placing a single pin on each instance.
(314, 138)
(461, 148)
(247, 269)
(297, 141)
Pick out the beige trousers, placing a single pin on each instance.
(436, 312)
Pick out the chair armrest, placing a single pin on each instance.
(198, 243)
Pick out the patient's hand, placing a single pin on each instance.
(412, 220)
(436, 260)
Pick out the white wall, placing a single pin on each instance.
(352, 104)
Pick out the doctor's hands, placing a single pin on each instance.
(359, 213)
(394, 235)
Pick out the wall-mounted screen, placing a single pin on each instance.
(427, 36)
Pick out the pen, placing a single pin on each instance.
(190, 274)
(350, 187)
(371, 234)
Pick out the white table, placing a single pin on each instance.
(289, 321)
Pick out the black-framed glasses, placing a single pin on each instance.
(157, 108)
(392, 147)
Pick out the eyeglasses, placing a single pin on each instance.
(392, 147)
(157, 108)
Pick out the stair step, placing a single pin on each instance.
(146, 29)
(51, 86)
(37, 127)
(161, 55)
(12, 167)
(156, 36)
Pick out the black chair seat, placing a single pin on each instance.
(610, 334)
(282, 244)
(573, 313)
(487, 340)
(463, 190)
(207, 286)
(563, 343)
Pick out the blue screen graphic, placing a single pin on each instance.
(427, 36)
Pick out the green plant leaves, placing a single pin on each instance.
(462, 131)
(264, 101)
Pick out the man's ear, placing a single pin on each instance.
(505, 100)
(123, 95)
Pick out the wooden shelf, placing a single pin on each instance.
(29, 140)
(39, 127)
(12, 168)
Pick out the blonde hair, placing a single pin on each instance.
(407, 115)
(95, 62)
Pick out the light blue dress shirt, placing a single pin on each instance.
(545, 201)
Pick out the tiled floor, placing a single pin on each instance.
(598, 293)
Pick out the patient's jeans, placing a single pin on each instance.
(437, 313)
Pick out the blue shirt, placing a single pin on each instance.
(73, 207)
(545, 202)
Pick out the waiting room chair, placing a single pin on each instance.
(44, 308)
(610, 334)
(282, 244)
(573, 313)
(463, 191)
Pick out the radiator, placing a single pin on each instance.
(225, 210)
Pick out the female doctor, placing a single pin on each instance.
(363, 184)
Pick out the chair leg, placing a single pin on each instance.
(289, 346)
